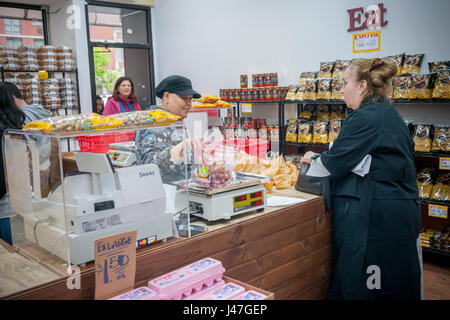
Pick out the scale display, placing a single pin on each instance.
(248, 201)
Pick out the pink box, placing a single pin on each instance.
(228, 291)
(205, 290)
(251, 295)
(142, 293)
(183, 281)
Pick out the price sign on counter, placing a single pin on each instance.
(367, 41)
(437, 211)
(444, 163)
(246, 108)
(115, 264)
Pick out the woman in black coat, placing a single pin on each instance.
(376, 216)
(11, 117)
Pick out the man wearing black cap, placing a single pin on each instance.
(164, 146)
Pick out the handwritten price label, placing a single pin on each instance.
(437, 211)
(367, 41)
(444, 163)
(246, 108)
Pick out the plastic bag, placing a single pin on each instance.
(324, 89)
(73, 123)
(335, 128)
(310, 89)
(442, 85)
(322, 113)
(422, 138)
(398, 59)
(441, 140)
(155, 117)
(300, 92)
(307, 112)
(337, 112)
(305, 131)
(291, 132)
(208, 98)
(440, 65)
(326, 70)
(421, 86)
(441, 189)
(425, 182)
(336, 87)
(412, 64)
(306, 75)
(320, 132)
(339, 68)
(291, 92)
(402, 87)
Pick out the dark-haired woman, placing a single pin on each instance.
(123, 98)
(376, 214)
(11, 117)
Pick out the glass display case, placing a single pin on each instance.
(67, 190)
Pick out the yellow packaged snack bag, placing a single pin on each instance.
(422, 137)
(436, 66)
(306, 75)
(310, 89)
(337, 112)
(441, 189)
(223, 104)
(322, 113)
(425, 182)
(155, 117)
(300, 92)
(324, 89)
(421, 86)
(339, 68)
(441, 140)
(208, 98)
(402, 87)
(326, 70)
(307, 112)
(412, 64)
(73, 123)
(320, 132)
(336, 87)
(398, 59)
(201, 105)
(291, 132)
(442, 85)
(291, 92)
(335, 128)
(305, 131)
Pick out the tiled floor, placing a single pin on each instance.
(436, 278)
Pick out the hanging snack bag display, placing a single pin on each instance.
(441, 189)
(402, 87)
(441, 140)
(324, 89)
(421, 86)
(322, 113)
(336, 87)
(310, 89)
(339, 68)
(291, 92)
(326, 70)
(320, 132)
(442, 85)
(422, 137)
(291, 132)
(412, 64)
(425, 182)
(440, 65)
(335, 128)
(305, 131)
(337, 112)
(307, 112)
(398, 59)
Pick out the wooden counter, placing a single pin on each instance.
(285, 250)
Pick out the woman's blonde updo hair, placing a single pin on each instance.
(378, 74)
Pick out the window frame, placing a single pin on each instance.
(148, 46)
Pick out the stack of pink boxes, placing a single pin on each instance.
(201, 280)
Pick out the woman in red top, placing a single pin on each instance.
(123, 98)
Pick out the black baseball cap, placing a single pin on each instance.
(176, 84)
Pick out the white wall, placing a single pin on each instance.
(212, 42)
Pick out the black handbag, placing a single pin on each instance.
(316, 185)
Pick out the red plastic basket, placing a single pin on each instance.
(100, 143)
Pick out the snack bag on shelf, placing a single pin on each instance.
(441, 189)
(398, 59)
(306, 75)
(291, 92)
(402, 87)
(425, 182)
(326, 70)
(339, 68)
(310, 89)
(422, 137)
(421, 86)
(412, 64)
(324, 89)
(441, 140)
(335, 128)
(442, 85)
(307, 112)
(320, 132)
(291, 132)
(155, 117)
(208, 98)
(305, 132)
(73, 123)
(337, 112)
(336, 87)
(322, 113)
(300, 92)
(440, 65)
